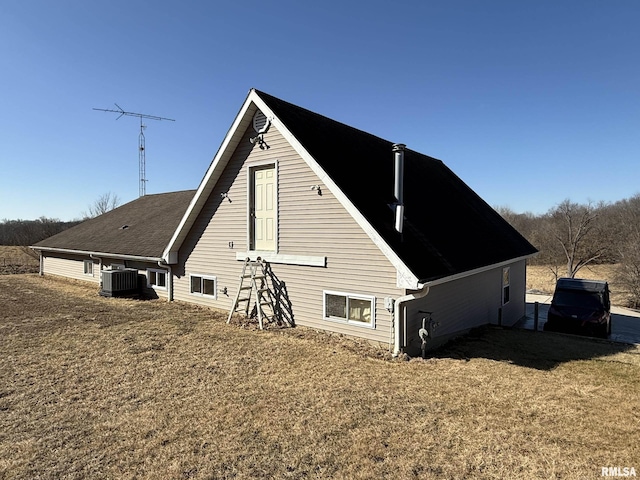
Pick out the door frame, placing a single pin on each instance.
(250, 199)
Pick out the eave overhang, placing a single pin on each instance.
(138, 258)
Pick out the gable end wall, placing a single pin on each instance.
(308, 225)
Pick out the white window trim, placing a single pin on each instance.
(346, 321)
(85, 264)
(204, 277)
(156, 271)
(505, 285)
(249, 179)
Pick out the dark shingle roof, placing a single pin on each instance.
(150, 223)
(448, 229)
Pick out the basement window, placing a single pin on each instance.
(350, 308)
(157, 279)
(203, 286)
(88, 267)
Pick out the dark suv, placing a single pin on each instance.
(581, 307)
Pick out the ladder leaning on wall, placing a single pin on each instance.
(253, 287)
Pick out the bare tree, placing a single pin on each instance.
(628, 246)
(577, 233)
(104, 203)
(525, 223)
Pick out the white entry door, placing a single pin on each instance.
(264, 208)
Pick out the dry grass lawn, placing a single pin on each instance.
(111, 388)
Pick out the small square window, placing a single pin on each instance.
(360, 310)
(203, 285)
(157, 279)
(88, 267)
(349, 308)
(335, 306)
(196, 284)
(208, 286)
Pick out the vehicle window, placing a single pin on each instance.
(568, 298)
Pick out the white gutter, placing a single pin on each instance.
(98, 254)
(399, 314)
(469, 273)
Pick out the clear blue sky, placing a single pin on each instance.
(529, 102)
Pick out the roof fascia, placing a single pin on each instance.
(97, 254)
(231, 140)
(476, 271)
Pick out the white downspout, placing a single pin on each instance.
(93, 257)
(399, 314)
(41, 264)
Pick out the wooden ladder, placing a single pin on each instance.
(253, 272)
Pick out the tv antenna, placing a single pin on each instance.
(141, 143)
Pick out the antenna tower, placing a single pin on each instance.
(141, 142)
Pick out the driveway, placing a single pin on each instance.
(625, 323)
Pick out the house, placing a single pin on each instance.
(367, 235)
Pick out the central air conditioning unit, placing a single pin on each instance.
(120, 283)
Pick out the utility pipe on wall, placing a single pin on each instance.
(399, 314)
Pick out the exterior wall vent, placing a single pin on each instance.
(259, 121)
(260, 124)
(120, 283)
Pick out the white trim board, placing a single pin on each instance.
(271, 257)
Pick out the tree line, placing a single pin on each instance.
(28, 232)
(571, 236)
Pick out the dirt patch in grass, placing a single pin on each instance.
(92, 387)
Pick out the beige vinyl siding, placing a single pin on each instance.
(308, 225)
(516, 308)
(469, 302)
(71, 266)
